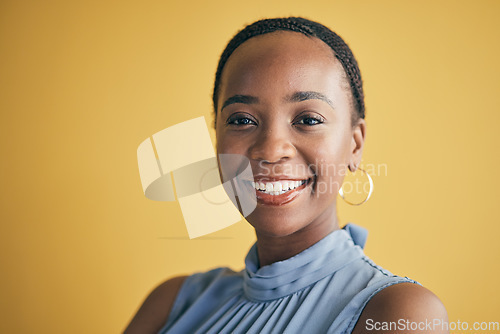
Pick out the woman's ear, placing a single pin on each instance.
(357, 143)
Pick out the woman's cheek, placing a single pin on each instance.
(330, 168)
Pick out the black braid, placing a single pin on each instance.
(309, 28)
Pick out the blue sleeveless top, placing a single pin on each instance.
(323, 289)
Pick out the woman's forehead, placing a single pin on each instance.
(280, 46)
(281, 62)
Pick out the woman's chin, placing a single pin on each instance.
(272, 227)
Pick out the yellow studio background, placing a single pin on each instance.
(83, 83)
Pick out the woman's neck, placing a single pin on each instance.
(272, 249)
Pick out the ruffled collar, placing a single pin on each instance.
(322, 259)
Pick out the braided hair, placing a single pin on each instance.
(311, 29)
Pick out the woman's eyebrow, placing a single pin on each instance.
(310, 95)
(245, 99)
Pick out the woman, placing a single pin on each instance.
(288, 96)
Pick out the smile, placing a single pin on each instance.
(277, 188)
(277, 192)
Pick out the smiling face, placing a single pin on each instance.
(285, 104)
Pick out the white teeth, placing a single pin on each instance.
(269, 187)
(284, 186)
(277, 188)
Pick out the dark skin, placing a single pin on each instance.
(295, 121)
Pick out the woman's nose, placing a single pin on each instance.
(273, 145)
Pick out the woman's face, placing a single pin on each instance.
(285, 104)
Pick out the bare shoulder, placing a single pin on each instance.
(399, 308)
(153, 313)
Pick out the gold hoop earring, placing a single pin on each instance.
(341, 192)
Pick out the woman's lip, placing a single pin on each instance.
(277, 200)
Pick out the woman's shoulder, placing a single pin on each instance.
(400, 307)
(156, 308)
(159, 305)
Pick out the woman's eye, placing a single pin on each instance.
(310, 121)
(241, 121)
